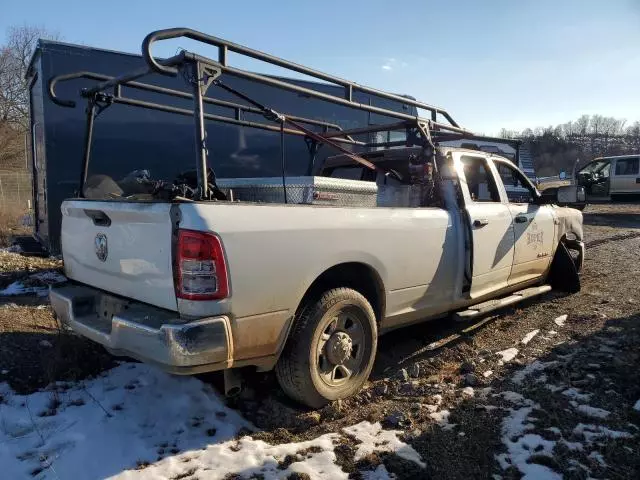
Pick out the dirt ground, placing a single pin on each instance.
(449, 386)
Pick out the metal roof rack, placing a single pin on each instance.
(202, 72)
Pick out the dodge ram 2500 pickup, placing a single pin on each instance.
(302, 275)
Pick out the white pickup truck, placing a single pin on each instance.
(197, 286)
(307, 287)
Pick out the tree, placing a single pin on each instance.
(581, 125)
(556, 148)
(14, 62)
(15, 55)
(527, 133)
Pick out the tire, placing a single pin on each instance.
(563, 274)
(309, 369)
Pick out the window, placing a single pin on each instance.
(627, 166)
(482, 186)
(389, 136)
(518, 188)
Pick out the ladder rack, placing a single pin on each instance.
(202, 72)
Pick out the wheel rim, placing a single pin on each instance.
(341, 347)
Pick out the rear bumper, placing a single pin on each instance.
(144, 332)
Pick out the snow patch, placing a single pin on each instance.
(250, 457)
(536, 366)
(575, 394)
(41, 281)
(375, 439)
(522, 445)
(597, 456)
(442, 418)
(380, 473)
(136, 415)
(512, 397)
(554, 388)
(468, 392)
(592, 432)
(487, 374)
(529, 336)
(573, 446)
(561, 320)
(507, 355)
(637, 406)
(594, 412)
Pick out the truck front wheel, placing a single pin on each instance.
(331, 349)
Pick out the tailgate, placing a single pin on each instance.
(120, 247)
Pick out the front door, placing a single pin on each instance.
(491, 226)
(626, 176)
(533, 226)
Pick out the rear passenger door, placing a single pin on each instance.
(492, 242)
(533, 226)
(626, 176)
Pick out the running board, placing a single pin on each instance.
(491, 305)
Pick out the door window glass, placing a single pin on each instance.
(482, 186)
(518, 189)
(627, 166)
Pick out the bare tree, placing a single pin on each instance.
(581, 125)
(14, 62)
(15, 55)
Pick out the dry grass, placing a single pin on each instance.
(11, 223)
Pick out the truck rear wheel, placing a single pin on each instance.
(331, 349)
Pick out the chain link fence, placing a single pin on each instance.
(15, 190)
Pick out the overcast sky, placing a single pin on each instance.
(492, 64)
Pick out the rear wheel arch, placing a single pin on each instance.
(359, 276)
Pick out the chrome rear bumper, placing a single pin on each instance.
(144, 332)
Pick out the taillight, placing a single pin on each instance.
(200, 268)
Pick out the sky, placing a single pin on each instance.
(492, 64)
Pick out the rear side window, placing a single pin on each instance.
(482, 186)
(627, 166)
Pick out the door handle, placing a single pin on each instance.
(521, 219)
(481, 222)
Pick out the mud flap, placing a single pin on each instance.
(563, 275)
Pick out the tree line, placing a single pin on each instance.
(15, 54)
(557, 148)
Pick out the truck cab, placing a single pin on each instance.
(513, 237)
(611, 176)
